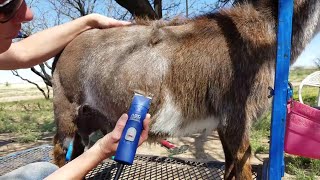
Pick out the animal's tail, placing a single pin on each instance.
(55, 61)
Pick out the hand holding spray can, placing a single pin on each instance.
(129, 140)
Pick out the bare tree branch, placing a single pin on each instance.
(47, 65)
(15, 73)
(139, 8)
(48, 91)
(187, 8)
(158, 8)
(172, 9)
(73, 8)
(45, 77)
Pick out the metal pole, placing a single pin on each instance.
(278, 117)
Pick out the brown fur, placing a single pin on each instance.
(218, 65)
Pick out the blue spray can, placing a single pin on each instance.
(129, 140)
(69, 152)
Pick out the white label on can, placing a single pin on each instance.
(131, 134)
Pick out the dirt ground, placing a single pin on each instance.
(8, 143)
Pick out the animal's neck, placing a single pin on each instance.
(305, 21)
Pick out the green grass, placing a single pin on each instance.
(303, 168)
(27, 119)
(261, 131)
(309, 94)
(299, 74)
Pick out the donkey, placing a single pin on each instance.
(210, 72)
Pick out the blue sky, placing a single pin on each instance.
(311, 52)
(306, 59)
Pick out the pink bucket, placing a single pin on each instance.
(302, 135)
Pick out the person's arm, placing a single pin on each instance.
(104, 148)
(45, 44)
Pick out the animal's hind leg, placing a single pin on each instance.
(237, 150)
(65, 115)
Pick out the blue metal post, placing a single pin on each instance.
(276, 159)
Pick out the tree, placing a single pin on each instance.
(143, 8)
(26, 31)
(73, 8)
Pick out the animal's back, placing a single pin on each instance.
(109, 65)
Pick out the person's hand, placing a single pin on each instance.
(102, 22)
(109, 143)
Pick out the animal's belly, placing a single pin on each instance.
(170, 121)
(173, 125)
